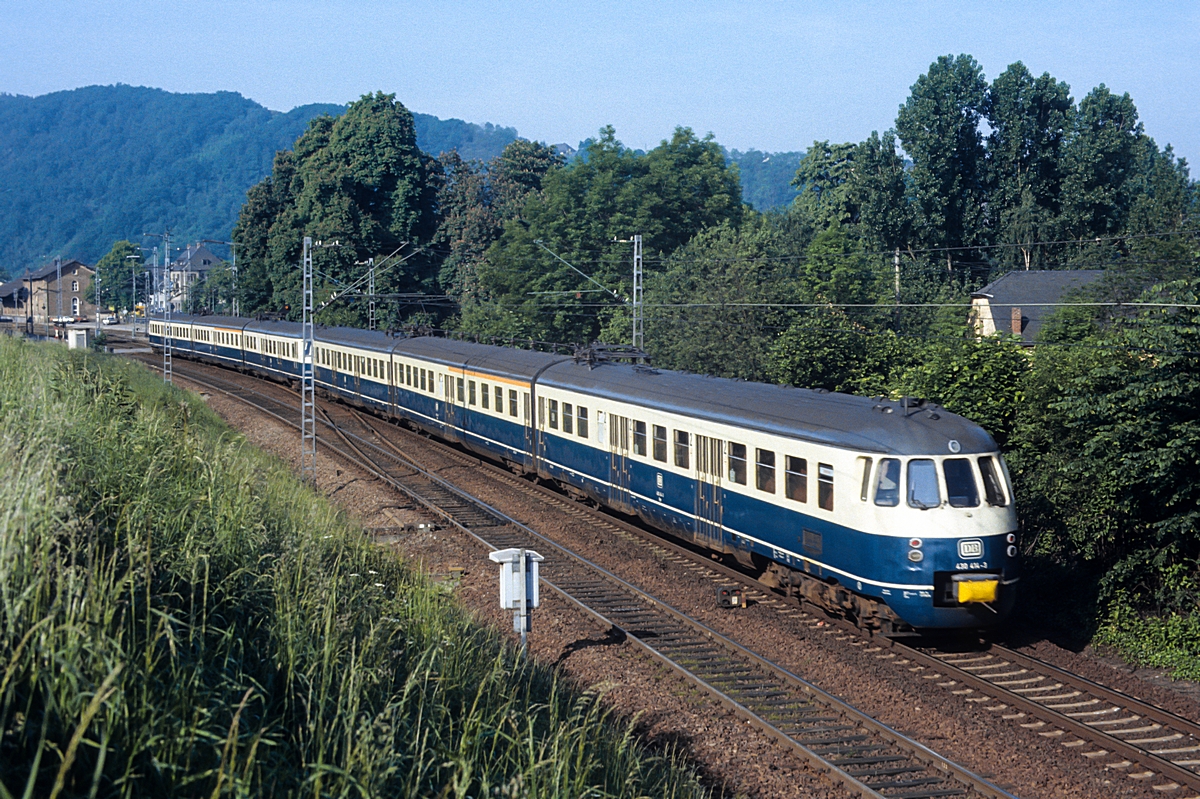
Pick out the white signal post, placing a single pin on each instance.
(638, 329)
(519, 586)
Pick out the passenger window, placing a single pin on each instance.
(824, 486)
(459, 382)
(499, 400)
(567, 418)
(512, 402)
(639, 438)
(553, 414)
(660, 443)
(683, 449)
(961, 490)
(483, 394)
(581, 422)
(866, 481)
(471, 392)
(795, 478)
(737, 463)
(887, 483)
(923, 491)
(993, 490)
(764, 470)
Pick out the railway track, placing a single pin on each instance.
(868, 757)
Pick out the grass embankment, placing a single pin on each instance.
(181, 617)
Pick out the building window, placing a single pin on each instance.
(74, 285)
(74, 306)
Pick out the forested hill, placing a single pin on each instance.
(82, 168)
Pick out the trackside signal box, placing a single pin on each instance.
(518, 585)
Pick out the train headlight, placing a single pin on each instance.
(1012, 552)
(916, 555)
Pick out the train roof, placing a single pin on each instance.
(844, 420)
(870, 425)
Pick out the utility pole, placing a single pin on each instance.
(638, 331)
(58, 285)
(371, 294)
(896, 264)
(166, 314)
(308, 398)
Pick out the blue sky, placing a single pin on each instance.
(769, 75)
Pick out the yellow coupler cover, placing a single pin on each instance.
(976, 590)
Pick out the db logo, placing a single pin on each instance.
(970, 548)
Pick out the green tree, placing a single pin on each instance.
(358, 180)
(939, 128)
(879, 191)
(822, 181)
(1030, 120)
(667, 195)
(114, 277)
(1105, 453)
(1099, 160)
(983, 380)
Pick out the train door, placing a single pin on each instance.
(618, 442)
(530, 432)
(453, 414)
(710, 455)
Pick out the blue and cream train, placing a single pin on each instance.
(894, 514)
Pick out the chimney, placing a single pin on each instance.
(1016, 321)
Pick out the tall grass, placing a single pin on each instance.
(179, 616)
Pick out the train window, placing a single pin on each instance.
(525, 402)
(866, 481)
(795, 478)
(923, 489)
(764, 470)
(660, 443)
(499, 400)
(887, 483)
(553, 414)
(961, 489)
(568, 418)
(459, 383)
(423, 380)
(581, 421)
(483, 394)
(683, 449)
(471, 392)
(737, 463)
(639, 438)
(512, 402)
(992, 490)
(824, 486)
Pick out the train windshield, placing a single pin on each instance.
(960, 483)
(887, 484)
(923, 489)
(992, 482)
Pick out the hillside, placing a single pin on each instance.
(82, 168)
